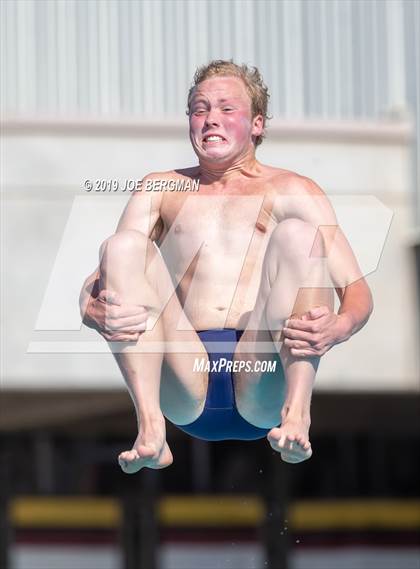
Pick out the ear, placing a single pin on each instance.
(257, 125)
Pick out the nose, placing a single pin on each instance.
(211, 118)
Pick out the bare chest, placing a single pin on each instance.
(216, 222)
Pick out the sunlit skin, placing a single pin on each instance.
(220, 107)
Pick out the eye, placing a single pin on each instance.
(227, 109)
(198, 112)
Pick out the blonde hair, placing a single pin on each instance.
(251, 77)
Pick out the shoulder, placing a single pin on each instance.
(299, 196)
(153, 180)
(163, 175)
(288, 182)
(176, 173)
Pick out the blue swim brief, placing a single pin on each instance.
(220, 419)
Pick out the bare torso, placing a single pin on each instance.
(214, 240)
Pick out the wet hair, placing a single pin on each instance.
(251, 77)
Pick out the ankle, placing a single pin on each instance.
(291, 413)
(148, 418)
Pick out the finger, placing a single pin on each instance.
(302, 353)
(297, 344)
(115, 312)
(130, 311)
(110, 296)
(112, 337)
(126, 338)
(123, 336)
(130, 324)
(319, 311)
(305, 325)
(129, 329)
(293, 334)
(282, 441)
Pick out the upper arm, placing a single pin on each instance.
(142, 212)
(305, 200)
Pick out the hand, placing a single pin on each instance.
(115, 321)
(315, 333)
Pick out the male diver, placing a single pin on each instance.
(243, 270)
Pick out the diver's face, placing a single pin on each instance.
(221, 124)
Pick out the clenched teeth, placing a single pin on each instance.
(213, 139)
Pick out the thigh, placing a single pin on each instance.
(259, 387)
(260, 394)
(182, 395)
(183, 387)
(184, 381)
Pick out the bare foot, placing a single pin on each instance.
(150, 449)
(291, 439)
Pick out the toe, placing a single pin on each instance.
(131, 467)
(146, 452)
(275, 444)
(128, 455)
(304, 443)
(130, 461)
(290, 459)
(274, 434)
(295, 456)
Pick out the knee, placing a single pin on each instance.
(293, 239)
(125, 243)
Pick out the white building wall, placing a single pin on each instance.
(97, 90)
(324, 58)
(44, 187)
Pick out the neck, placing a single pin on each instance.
(225, 172)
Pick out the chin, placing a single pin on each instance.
(217, 156)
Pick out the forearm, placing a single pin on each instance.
(356, 305)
